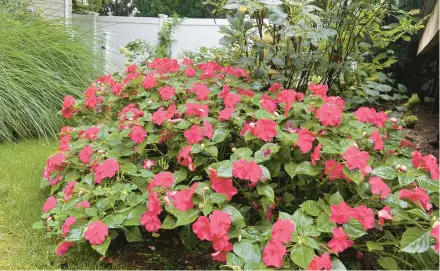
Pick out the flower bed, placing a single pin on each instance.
(275, 179)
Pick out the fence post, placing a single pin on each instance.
(162, 19)
(66, 13)
(106, 47)
(95, 34)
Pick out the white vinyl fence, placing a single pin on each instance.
(114, 31)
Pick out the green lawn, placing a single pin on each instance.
(22, 247)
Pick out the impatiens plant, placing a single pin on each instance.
(280, 179)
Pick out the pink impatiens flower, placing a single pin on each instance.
(321, 262)
(384, 214)
(149, 81)
(50, 204)
(222, 185)
(319, 89)
(356, 158)
(151, 222)
(231, 99)
(166, 93)
(430, 162)
(96, 233)
(247, 171)
(149, 164)
(106, 169)
(69, 190)
(333, 170)
(305, 140)
(198, 110)
(329, 114)
(64, 247)
(265, 129)
(340, 213)
(85, 154)
(138, 134)
(219, 222)
(164, 179)
(201, 90)
(282, 231)
(316, 154)
(378, 187)
(364, 215)
(183, 198)
(65, 228)
(208, 129)
(202, 229)
(418, 195)
(377, 139)
(273, 254)
(226, 113)
(340, 241)
(68, 104)
(194, 134)
(184, 158)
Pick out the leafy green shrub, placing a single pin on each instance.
(410, 121)
(40, 63)
(281, 179)
(344, 44)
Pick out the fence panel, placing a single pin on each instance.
(189, 35)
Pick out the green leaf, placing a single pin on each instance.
(247, 251)
(354, 229)
(290, 169)
(133, 234)
(415, 240)
(388, 263)
(311, 207)
(329, 146)
(220, 135)
(128, 168)
(236, 216)
(302, 256)
(324, 223)
(374, 246)
(234, 260)
(266, 190)
(180, 175)
(72, 176)
(288, 197)
(188, 238)
(405, 178)
(91, 212)
(217, 198)
(187, 217)
(211, 150)
(354, 175)
(300, 218)
(338, 265)
(38, 225)
(241, 153)
(306, 168)
(336, 198)
(102, 248)
(169, 223)
(385, 172)
(225, 169)
(207, 209)
(428, 184)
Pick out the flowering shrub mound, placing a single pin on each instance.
(270, 180)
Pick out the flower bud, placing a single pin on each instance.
(393, 120)
(403, 169)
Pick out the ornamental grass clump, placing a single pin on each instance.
(40, 63)
(280, 179)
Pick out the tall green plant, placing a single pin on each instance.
(341, 43)
(40, 63)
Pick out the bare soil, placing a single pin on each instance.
(426, 130)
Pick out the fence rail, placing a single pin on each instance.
(114, 31)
